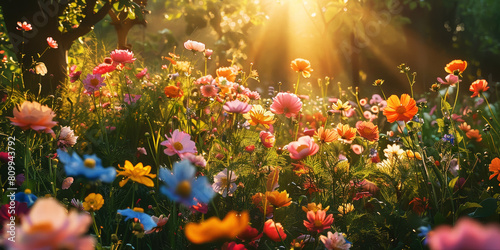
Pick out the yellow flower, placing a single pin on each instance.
(93, 202)
(341, 106)
(137, 173)
(214, 229)
(345, 208)
(258, 115)
(279, 199)
(313, 207)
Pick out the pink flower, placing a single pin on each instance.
(286, 103)
(24, 26)
(180, 143)
(208, 53)
(209, 90)
(121, 56)
(142, 73)
(49, 226)
(237, 106)
(33, 115)
(73, 74)
(52, 43)
(302, 148)
(103, 68)
(129, 100)
(318, 221)
(67, 182)
(467, 234)
(200, 207)
(204, 80)
(93, 82)
(335, 241)
(160, 223)
(197, 160)
(267, 139)
(141, 151)
(357, 149)
(66, 137)
(193, 45)
(451, 79)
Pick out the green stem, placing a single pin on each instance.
(456, 98)
(297, 84)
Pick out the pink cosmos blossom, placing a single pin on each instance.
(357, 149)
(335, 241)
(122, 56)
(93, 82)
(195, 46)
(208, 79)
(67, 182)
(127, 98)
(224, 182)
(141, 74)
(303, 147)
(267, 139)
(286, 103)
(180, 143)
(237, 106)
(318, 221)
(376, 99)
(208, 53)
(467, 234)
(103, 68)
(49, 226)
(200, 207)
(66, 137)
(197, 160)
(209, 90)
(73, 74)
(52, 43)
(160, 223)
(141, 150)
(254, 95)
(450, 79)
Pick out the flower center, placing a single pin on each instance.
(27, 191)
(302, 147)
(89, 163)
(138, 209)
(94, 82)
(41, 227)
(318, 223)
(223, 181)
(183, 189)
(401, 110)
(178, 146)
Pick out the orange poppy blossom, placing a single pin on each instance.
(455, 66)
(214, 229)
(346, 133)
(495, 168)
(229, 73)
(400, 110)
(173, 91)
(302, 65)
(326, 135)
(474, 134)
(258, 115)
(368, 130)
(278, 199)
(478, 87)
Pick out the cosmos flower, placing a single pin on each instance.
(24, 26)
(302, 65)
(474, 135)
(229, 73)
(346, 133)
(400, 110)
(345, 208)
(26, 197)
(197, 160)
(224, 183)
(274, 230)
(237, 107)
(173, 91)
(90, 168)
(121, 56)
(478, 87)
(450, 79)
(138, 173)
(455, 66)
(286, 103)
(326, 135)
(103, 68)
(141, 74)
(267, 139)
(341, 106)
(335, 241)
(180, 185)
(67, 182)
(139, 214)
(180, 143)
(258, 115)
(318, 221)
(393, 151)
(93, 202)
(49, 226)
(249, 234)
(33, 115)
(464, 127)
(194, 46)
(303, 147)
(278, 199)
(52, 43)
(313, 207)
(495, 168)
(67, 137)
(131, 98)
(367, 130)
(73, 74)
(209, 90)
(214, 229)
(93, 82)
(160, 222)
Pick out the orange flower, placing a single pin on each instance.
(313, 207)
(473, 134)
(464, 127)
(227, 72)
(302, 65)
(478, 87)
(258, 115)
(400, 110)
(495, 168)
(173, 91)
(274, 230)
(455, 65)
(346, 133)
(214, 229)
(258, 200)
(279, 199)
(368, 130)
(326, 135)
(32, 115)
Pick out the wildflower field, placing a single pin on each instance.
(183, 152)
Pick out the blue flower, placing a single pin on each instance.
(91, 167)
(182, 186)
(26, 197)
(424, 230)
(138, 213)
(449, 138)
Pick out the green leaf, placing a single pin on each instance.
(453, 182)
(466, 206)
(488, 208)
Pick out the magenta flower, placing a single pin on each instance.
(302, 148)
(237, 106)
(318, 221)
(131, 98)
(180, 143)
(122, 56)
(467, 234)
(451, 79)
(142, 73)
(73, 74)
(93, 82)
(194, 46)
(103, 68)
(286, 103)
(209, 90)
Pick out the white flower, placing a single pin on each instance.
(222, 181)
(335, 241)
(40, 68)
(393, 152)
(67, 137)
